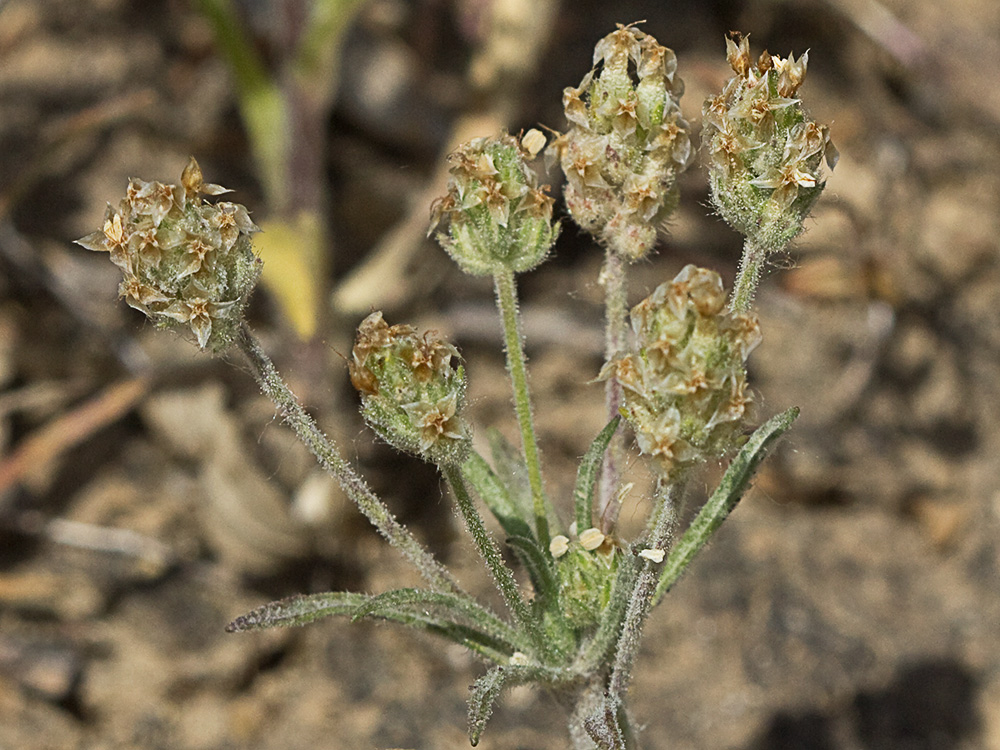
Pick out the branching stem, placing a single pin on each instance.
(330, 459)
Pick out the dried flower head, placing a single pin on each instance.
(764, 154)
(495, 215)
(684, 387)
(412, 390)
(627, 142)
(185, 261)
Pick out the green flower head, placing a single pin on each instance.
(764, 154)
(684, 386)
(412, 390)
(495, 216)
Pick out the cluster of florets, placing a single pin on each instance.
(412, 390)
(684, 387)
(764, 154)
(185, 261)
(496, 216)
(627, 144)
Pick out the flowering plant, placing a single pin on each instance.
(676, 377)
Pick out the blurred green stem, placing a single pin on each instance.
(261, 103)
(285, 113)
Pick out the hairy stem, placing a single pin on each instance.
(748, 277)
(513, 343)
(615, 301)
(641, 599)
(502, 575)
(330, 459)
(596, 723)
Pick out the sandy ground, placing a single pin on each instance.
(148, 494)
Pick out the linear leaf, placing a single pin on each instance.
(587, 474)
(482, 695)
(540, 570)
(734, 483)
(512, 471)
(496, 496)
(297, 610)
(487, 689)
(493, 649)
(448, 608)
(304, 609)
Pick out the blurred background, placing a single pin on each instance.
(148, 494)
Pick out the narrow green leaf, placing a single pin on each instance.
(490, 648)
(734, 483)
(495, 496)
(487, 689)
(539, 566)
(512, 472)
(298, 610)
(446, 607)
(587, 474)
(301, 610)
(482, 695)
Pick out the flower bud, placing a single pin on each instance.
(496, 216)
(627, 142)
(684, 387)
(412, 392)
(185, 261)
(764, 154)
(585, 579)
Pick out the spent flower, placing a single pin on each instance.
(627, 142)
(185, 261)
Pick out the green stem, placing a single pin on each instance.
(330, 459)
(615, 301)
(502, 575)
(748, 277)
(260, 99)
(641, 600)
(513, 343)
